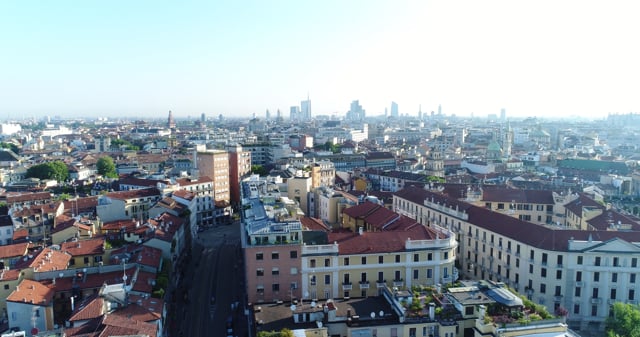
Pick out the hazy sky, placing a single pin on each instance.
(143, 58)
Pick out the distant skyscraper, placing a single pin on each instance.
(294, 113)
(394, 109)
(356, 112)
(420, 112)
(267, 115)
(203, 118)
(439, 109)
(171, 123)
(503, 114)
(305, 109)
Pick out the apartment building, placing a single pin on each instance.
(132, 204)
(323, 173)
(239, 169)
(584, 271)
(215, 165)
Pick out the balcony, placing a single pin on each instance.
(611, 301)
(398, 283)
(517, 254)
(347, 286)
(381, 283)
(364, 284)
(579, 284)
(596, 300)
(447, 279)
(557, 298)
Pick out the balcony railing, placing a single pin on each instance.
(398, 283)
(364, 285)
(381, 283)
(596, 300)
(557, 298)
(347, 286)
(579, 284)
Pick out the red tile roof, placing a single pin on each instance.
(132, 194)
(9, 275)
(313, 224)
(15, 250)
(90, 307)
(115, 325)
(49, 260)
(84, 247)
(33, 292)
(379, 242)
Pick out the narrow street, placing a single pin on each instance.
(213, 286)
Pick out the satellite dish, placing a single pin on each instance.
(293, 307)
(373, 314)
(306, 294)
(381, 313)
(313, 303)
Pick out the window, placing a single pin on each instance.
(394, 332)
(397, 258)
(72, 262)
(346, 261)
(594, 293)
(612, 295)
(543, 288)
(275, 271)
(327, 262)
(294, 271)
(597, 262)
(594, 310)
(86, 259)
(632, 294)
(6, 287)
(634, 262)
(327, 279)
(596, 277)
(259, 256)
(275, 256)
(397, 276)
(446, 255)
(275, 287)
(312, 263)
(380, 259)
(558, 291)
(429, 256)
(614, 277)
(293, 254)
(312, 280)
(416, 257)
(579, 260)
(294, 285)
(429, 273)
(544, 258)
(558, 274)
(577, 291)
(416, 274)
(578, 276)
(576, 309)
(632, 278)
(260, 272)
(530, 269)
(543, 272)
(616, 262)
(531, 255)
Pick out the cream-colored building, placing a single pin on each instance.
(377, 248)
(215, 165)
(582, 271)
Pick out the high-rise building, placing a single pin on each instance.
(394, 109)
(356, 112)
(239, 168)
(203, 118)
(294, 113)
(171, 123)
(215, 165)
(267, 115)
(305, 109)
(503, 114)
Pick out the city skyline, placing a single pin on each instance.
(540, 58)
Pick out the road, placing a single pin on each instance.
(215, 270)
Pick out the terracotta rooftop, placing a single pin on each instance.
(81, 205)
(200, 180)
(166, 226)
(379, 242)
(84, 247)
(184, 194)
(9, 275)
(88, 308)
(49, 260)
(13, 197)
(583, 200)
(115, 325)
(15, 250)
(33, 292)
(137, 312)
(132, 194)
(313, 224)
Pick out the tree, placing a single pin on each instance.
(625, 321)
(52, 170)
(107, 167)
(259, 170)
(11, 146)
